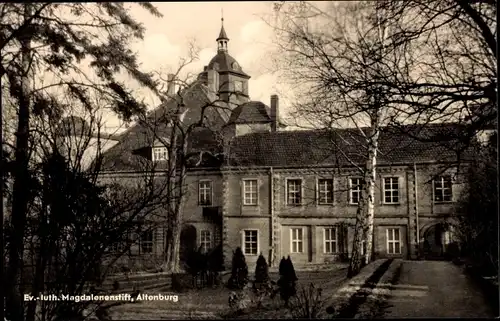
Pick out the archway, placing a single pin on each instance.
(188, 241)
(438, 241)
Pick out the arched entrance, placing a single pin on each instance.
(438, 243)
(188, 241)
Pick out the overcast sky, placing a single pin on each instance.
(167, 40)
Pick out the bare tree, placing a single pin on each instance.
(335, 63)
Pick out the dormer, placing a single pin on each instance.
(159, 152)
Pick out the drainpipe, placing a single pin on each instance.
(271, 214)
(416, 208)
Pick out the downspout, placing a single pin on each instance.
(416, 208)
(271, 214)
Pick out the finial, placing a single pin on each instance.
(222, 15)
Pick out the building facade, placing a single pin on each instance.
(280, 192)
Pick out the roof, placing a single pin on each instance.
(250, 112)
(222, 34)
(339, 147)
(223, 61)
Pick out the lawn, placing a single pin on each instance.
(213, 303)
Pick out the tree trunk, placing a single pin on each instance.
(370, 179)
(173, 260)
(14, 288)
(355, 263)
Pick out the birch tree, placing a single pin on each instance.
(333, 56)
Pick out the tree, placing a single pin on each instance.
(477, 209)
(40, 41)
(336, 64)
(454, 45)
(390, 63)
(77, 226)
(287, 280)
(261, 271)
(239, 270)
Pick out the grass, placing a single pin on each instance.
(213, 303)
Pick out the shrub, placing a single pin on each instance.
(261, 286)
(261, 271)
(239, 271)
(308, 303)
(287, 280)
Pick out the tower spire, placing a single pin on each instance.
(222, 39)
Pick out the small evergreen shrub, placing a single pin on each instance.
(239, 271)
(261, 286)
(288, 279)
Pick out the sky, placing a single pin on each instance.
(167, 41)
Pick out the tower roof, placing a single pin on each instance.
(222, 33)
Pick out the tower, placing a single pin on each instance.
(223, 74)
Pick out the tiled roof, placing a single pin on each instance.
(250, 112)
(339, 147)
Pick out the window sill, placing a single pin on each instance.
(442, 202)
(325, 204)
(294, 205)
(250, 205)
(384, 203)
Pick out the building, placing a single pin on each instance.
(281, 192)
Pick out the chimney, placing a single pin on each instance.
(213, 80)
(275, 112)
(170, 85)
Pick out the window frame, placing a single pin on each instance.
(319, 192)
(244, 192)
(211, 194)
(351, 190)
(164, 152)
(243, 242)
(204, 242)
(301, 241)
(392, 190)
(336, 241)
(442, 189)
(393, 240)
(142, 242)
(301, 190)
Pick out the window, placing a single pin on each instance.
(146, 242)
(393, 241)
(205, 241)
(355, 185)
(325, 191)
(442, 189)
(294, 191)
(391, 190)
(330, 237)
(297, 240)
(205, 193)
(160, 154)
(250, 242)
(250, 192)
